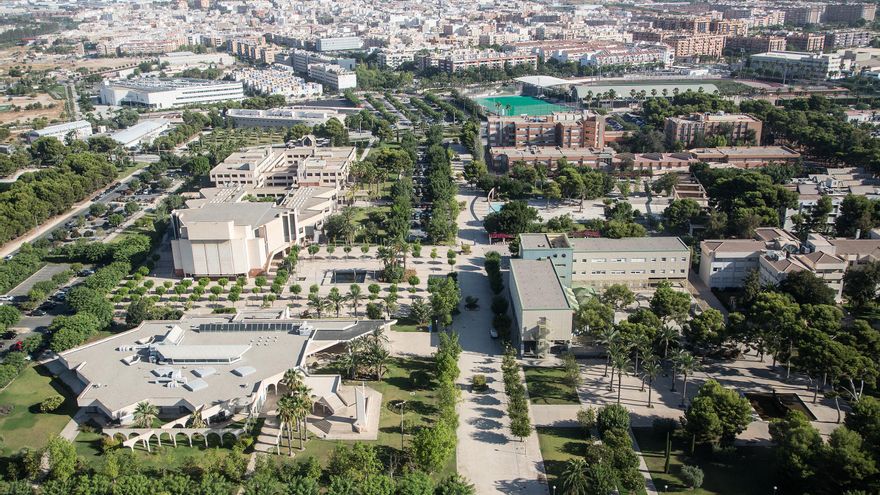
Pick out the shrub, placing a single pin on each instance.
(502, 323)
(51, 403)
(499, 305)
(612, 417)
(479, 382)
(374, 311)
(692, 476)
(587, 418)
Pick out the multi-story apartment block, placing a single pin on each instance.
(634, 54)
(150, 46)
(850, 12)
(735, 127)
(804, 42)
(281, 166)
(729, 27)
(460, 61)
(748, 45)
(301, 59)
(339, 44)
(804, 16)
(792, 66)
(562, 129)
(848, 38)
(685, 46)
(597, 262)
(334, 76)
(393, 59)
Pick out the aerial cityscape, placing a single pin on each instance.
(538, 247)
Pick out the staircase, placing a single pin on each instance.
(269, 436)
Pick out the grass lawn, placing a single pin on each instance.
(407, 379)
(558, 445)
(134, 228)
(547, 386)
(134, 167)
(407, 325)
(25, 426)
(750, 470)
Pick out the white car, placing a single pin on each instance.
(5, 298)
(493, 333)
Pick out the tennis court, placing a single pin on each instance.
(519, 105)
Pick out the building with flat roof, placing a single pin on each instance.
(284, 166)
(597, 262)
(472, 59)
(543, 308)
(277, 80)
(802, 42)
(140, 133)
(159, 93)
(850, 12)
(563, 129)
(81, 129)
(734, 127)
(339, 44)
(282, 117)
(794, 66)
(333, 76)
(234, 231)
(804, 15)
(181, 60)
(736, 45)
(502, 157)
(220, 365)
(848, 38)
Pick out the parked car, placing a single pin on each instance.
(6, 298)
(493, 333)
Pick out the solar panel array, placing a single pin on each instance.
(249, 327)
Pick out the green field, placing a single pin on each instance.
(746, 470)
(547, 386)
(518, 105)
(558, 445)
(25, 426)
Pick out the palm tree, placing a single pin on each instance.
(379, 357)
(318, 303)
(574, 477)
(355, 296)
(642, 347)
(614, 350)
(286, 417)
(144, 414)
(687, 364)
(606, 337)
(196, 420)
(675, 358)
(292, 378)
(335, 299)
(621, 362)
(650, 371)
(301, 410)
(666, 334)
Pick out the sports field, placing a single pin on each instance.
(518, 105)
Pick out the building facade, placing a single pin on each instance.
(81, 129)
(167, 93)
(735, 127)
(792, 66)
(804, 42)
(563, 129)
(736, 45)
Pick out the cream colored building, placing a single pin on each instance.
(234, 231)
(284, 166)
(543, 308)
(598, 262)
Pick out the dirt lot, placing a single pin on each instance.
(7, 115)
(22, 56)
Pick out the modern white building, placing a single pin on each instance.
(182, 60)
(283, 166)
(282, 117)
(301, 59)
(334, 76)
(81, 129)
(338, 44)
(158, 93)
(140, 133)
(278, 80)
(794, 66)
(233, 231)
(218, 365)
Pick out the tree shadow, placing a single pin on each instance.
(490, 412)
(485, 423)
(490, 437)
(486, 400)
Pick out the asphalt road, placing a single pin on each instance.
(42, 274)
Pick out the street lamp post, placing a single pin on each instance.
(402, 404)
